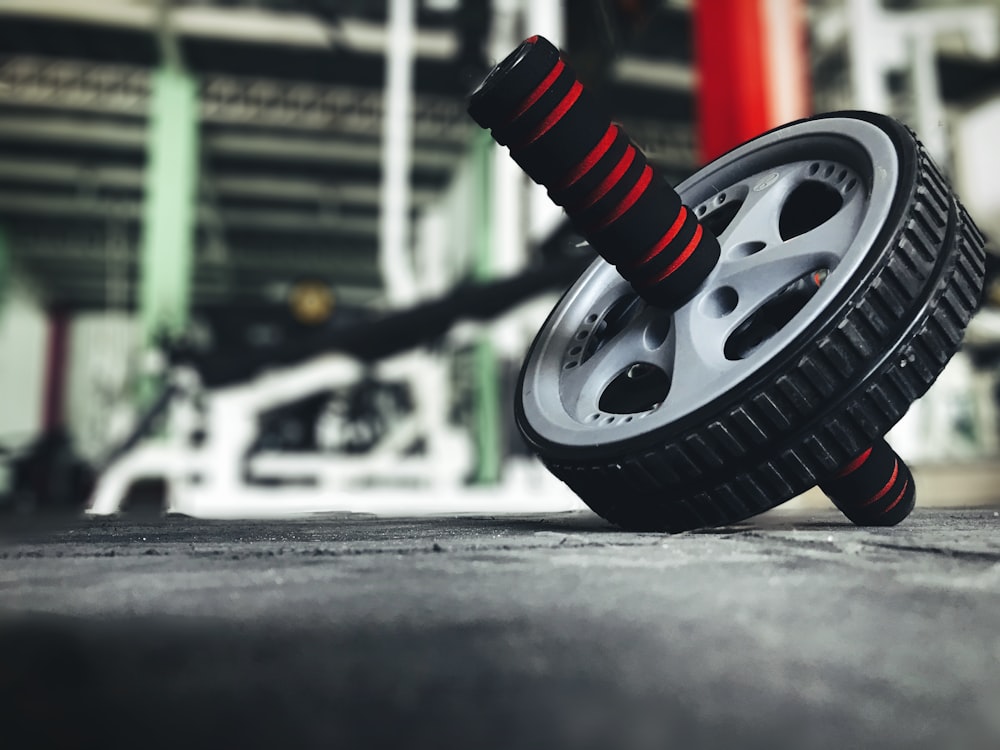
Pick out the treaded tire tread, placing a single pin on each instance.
(794, 431)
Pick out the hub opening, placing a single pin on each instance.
(808, 206)
(639, 387)
(614, 321)
(773, 315)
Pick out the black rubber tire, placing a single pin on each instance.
(828, 396)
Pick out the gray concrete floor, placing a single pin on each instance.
(793, 630)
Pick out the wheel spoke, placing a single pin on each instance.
(695, 343)
(587, 380)
(757, 277)
(760, 277)
(756, 220)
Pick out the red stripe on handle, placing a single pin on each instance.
(855, 464)
(607, 183)
(540, 90)
(899, 497)
(590, 159)
(628, 201)
(553, 117)
(679, 260)
(888, 486)
(665, 240)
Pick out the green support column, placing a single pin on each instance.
(488, 421)
(170, 203)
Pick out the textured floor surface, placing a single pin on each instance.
(791, 631)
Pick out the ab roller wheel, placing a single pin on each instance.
(747, 336)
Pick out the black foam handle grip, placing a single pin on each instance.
(533, 103)
(875, 489)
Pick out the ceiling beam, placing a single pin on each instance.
(655, 73)
(92, 284)
(282, 189)
(85, 176)
(243, 25)
(131, 138)
(103, 252)
(240, 264)
(22, 203)
(122, 137)
(95, 293)
(323, 150)
(124, 91)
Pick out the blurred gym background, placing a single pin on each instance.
(197, 197)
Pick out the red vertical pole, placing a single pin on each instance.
(752, 67)
(56, 361)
